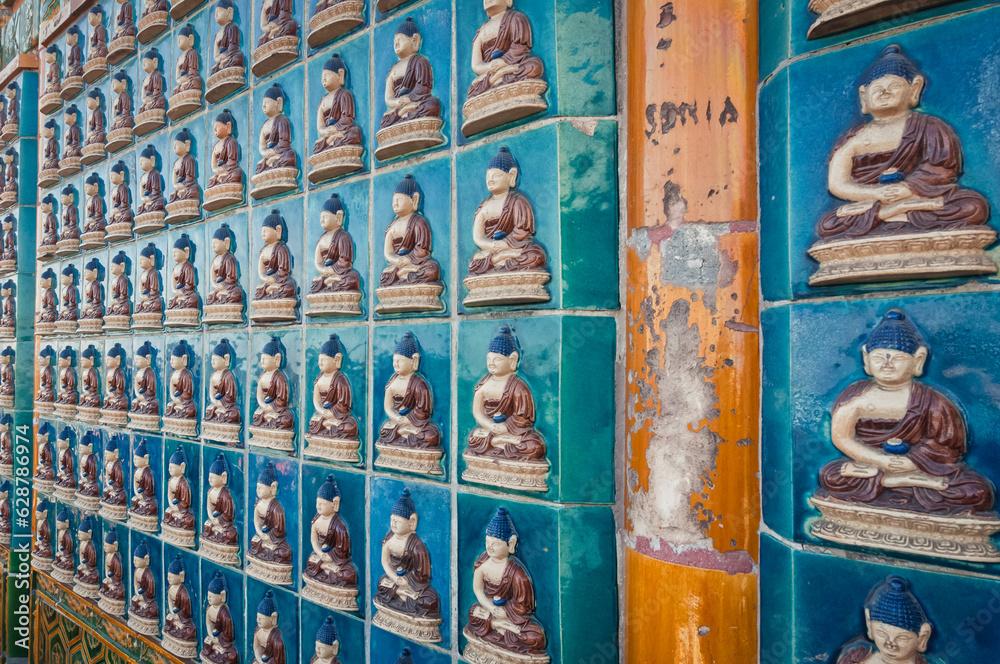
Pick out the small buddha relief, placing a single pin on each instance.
(185, 200)
(72, 82)
(45, 319)
(151, 213)
(836, 16)
(48, 172)
(225, 185)
(412, 120)
(229, 71)
(409, 439)
(11, 126)
(333, 429)
(906, 215)
(177, 525)
(148, 314)
(97, 55)
(114, 412)
(86, 579)
(120, 217)
(114, 500)
(220, 541)
(6, 526)
(122, 131)
(185, 98)
(71, 161)
(330, 578)
(180, 634)
(152, 112)
(118, 315)
(68, 396)
(6, 445)
(268, 643)
(69, 230)
(278, 170)
(337, 289)
(219, 644)
(8, 252)
(112, 593)
(143, 611)
(8, 197)
(6, 384)
(8, 310)
(89, 408)
(412, 280)
(897, 627)
(338, 150)
(276, 298)
(41, 548)
(93, 235)
(405, 602)
(46, 395)
(184, 305)
(223, 419)
(64, 565)
(180, 415)
(142, 509)
(153, 20)
(122, 42)
(144, 412)
(270, 555)
(97, 138)
(332, 18)
(88, 487)
(225, 301)
(44, 478)
(903, 483)
(278, 43)
(273, 424)
(327, 645)
(51, 99)
(92, 317)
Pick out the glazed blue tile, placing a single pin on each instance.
(776, 450)
(27, 229)
(193, 344)
(192, 452)
(27, 98)
(200, 23)
(123, 445)
(239, 107)
(236, 600)
(288, 496)
(386, 647)
(254, 19)
(243, 18)
(24, 376)
(164, 44)
(200, 245)
(291, 211)
(290, 81)
(200, 143)
(26, 160)
(132, 174)
(350, 633)
(773, 155)
(433, 528)
(291, 365)
(237, 484)
(240, 241)
(288, 617)
(154, 446)
(240, 365)
(24, 298)
(163, 142)
(156, 566)
(192, 581)
(133, 70)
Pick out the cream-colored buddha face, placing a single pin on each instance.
(403, 205)
(499, 549)
(178, 362)
(141, 362)
(270, 362)
(220, 247)
(182, 148)
(220, 363)
(72, 38)
(501, 365)
(329, 364)
(222, 129)
(224, 16)
(69, 118)
(118, 86)
(118, 269)
(149, 65)
(180, 255)
(269, 235)
(217, 599)
(87, 361)
(83, 535)
(898, 645)
(146, 262)
(66, 199)
(324, 651)
(272, 107)
(117, 177)
(494, 7)
(330, 221)
(327, 508)
(45, 282)
(401, 526)
(890, 95)
(48, 132)
(405, 46)
(110, 548)
(892, 368)
(44, 360)
(140, 563)
(218, 481)
(185, 42)
(114, 361)
(91, 188)
(265, 491)
(175, 579)
(140, 461)
(267, 622)
(93, 102)
(66, 279)
(93, 19)
(147, 163)
(404, 365)
(176, 469)
(333, 80)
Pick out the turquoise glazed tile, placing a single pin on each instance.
(255, 17)
(290, 344)
(236, 600)
(154, 447)
(386, 648)
(24, 370)
(26, 160)
(240, 365)
(286, 606)
(24, 296)
(290, 82)
(240, 241)
(192, 455)
(200, 246)
(26, 228)
(243, 18)
(192, 581)
(288, 497)
(557, 550)
(350, 633)
(193, 343)
(199, 22)
(239, 108)
(354, 348)
(237, 485)
(131, 175)
(291, 211)
(156, 566)
(27, 99)
(200, 145)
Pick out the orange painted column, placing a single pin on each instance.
(692, 502)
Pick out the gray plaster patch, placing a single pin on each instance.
(690, 259)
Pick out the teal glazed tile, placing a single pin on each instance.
(433, 20)
(776, 457)
(287, 606)
(775, 189)
(158, 363)
(200, 246)
(81, 25)
(133, 86)
(350, 633)
(290, 211)
(200, 145)
(123, 445)
(559, 547)
(164, 45)
(290, 343)
(26, 160)
(354, 198)
(239, 342)
(154, 446)
(24, 374)
(191, 344)
(192, 456)
(239, 108)
(239, 245)
(351, 486)
(434, 342)
(199, 22)
(243, 18)
(235, 599)
(960, 609)
(290, 82)
(26, 228)
(163, 143)
(354, 348)
(386, 648)
(433, 505)
(156, 566)
(27, 99)
(288, 497)
(132, 173)
(24, 297)
(237, 485)
(255, 19)
(950, 55)
(192, 582)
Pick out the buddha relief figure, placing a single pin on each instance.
(8, 312)
(41, 548)
(278, 43)
(330, 577)
(412, 280)
(118, 315)
(142, 510)
(152, 111)
(72, 83)
(223, 420)
(185, 200)
(64, 565)
(9, 195)
(49, 242)
(412, 120)
(327, 644)
(270, 555)
(88, 488)
(97, 56)
(69, 232)
(333, 429)
(148, 312)
(144, 412)
(405, 602)
(122, 42)
(225, 185)
(268, 643)
(229, 69)
(6, 445)
(897, 628)
(337, 289)
(86, 580)
(219, 644)
(899, 175)
(119, 224)
(93, 234)
(12, 113)
(409, 439)
(97, 137)
(6, 527)
(180, 635)
(51, 99)
(68, 396)
(903, 483)
(153, 20)
(332, 18)
(143, 612)
(122, 132)
(185, 98)
(112, 592)
(45, 320)
(45, 472)
(338, 150)
(177, 523)
(152, 211)
(273, 423)
(180, 415)
(183, 308)
(89, 408)
(114, 500)
(278, 170)
(836, 16)
(46, 395)
(8, 252)
(224, 303)
(114, 412)
(276, 297)
(48, 173)
(92, 318)
(71, 161)
(220, 541)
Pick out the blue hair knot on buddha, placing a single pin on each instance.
(267, 607)
(89, 352)
(217, 585)
(68, 190)
(48, 274)
(151, 54)
(97, 9)
(327, 633)
(894, 332)
(49, 124)
(140, 551)
(404, 657)
(178, 457)
(407, 346)
(63, 515)
(52, 49)
(225, 117)
(119, 258)
(404, 506)
(88, 439)
(180, 350)
(117, 351)
(334, 63)
(145, 350)
(149, 251)
(8, 285)
(11, 151)
(149, 152)
(13, 86)
(85, 525)
(219, 466)
(118, 168)
(92, 264)
(892, 603)
(408, 28)
(268, 475)
(331, 347)
(892, 62)
(121, 75)
(65, 434)
(74, 30)
(183, 242)
(140, 449)
(42, 506)
(7, 352)
(275, 221)
(69, 270)
(46, 430)
(221, 233)
(503, 160)
(95, 93)
(223, 348)
(66, 353)
(176, 565)
(328, 489)
(274, 92)
(501, 527)
(273, 348)
(186, 31)
(407, 186)
(111, 445)
(94, 179)
(72, 110)
(183, 136)
(504, 343)
(111, 537)
(333, 205)
(224, 4)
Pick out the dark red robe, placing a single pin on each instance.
(281, 12)
(150, 301)
(89, 476)
(70, 224)
(67, 387)
(147, 484)
(224, 631)
(187, 72)
(121, 203)
(112, 586)
(152, 92)
(230, 55)
(91, 389)
(185, 289)
(48, 313)
(278, 392)
(51, 157)
(99, 42)
(518, 406)
(180, 498)
(226, 153)
(859, 650)
(74, 61)
(279, 139)
(518, 592)
(73, 138)
(417, 239)
(183, 389)
(517, 223)
(121, 304)
(116, 398)
(88, 557)
(274, 649)
(123, 110)
(340, 116)
(226, 393)
(64, 556)
(279, 267)
(420, 403)
(94, 307)
(46, 385)
(337, 543)
(66, 477)
(146, 387)
(225, 513)
(70, 304)
(338, 398)
(274, 520)
(8, 318)
(114, 485)
(126, 21)
(415, 565)
(339, 256)
(95, 215)
(145, 582)
(43, 539)
(185, 180)
(419, 81)
(182, 626)
(513, 39)
(44, 469)
(227, 272)
(95, 127)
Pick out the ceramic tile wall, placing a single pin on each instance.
(568, 170)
